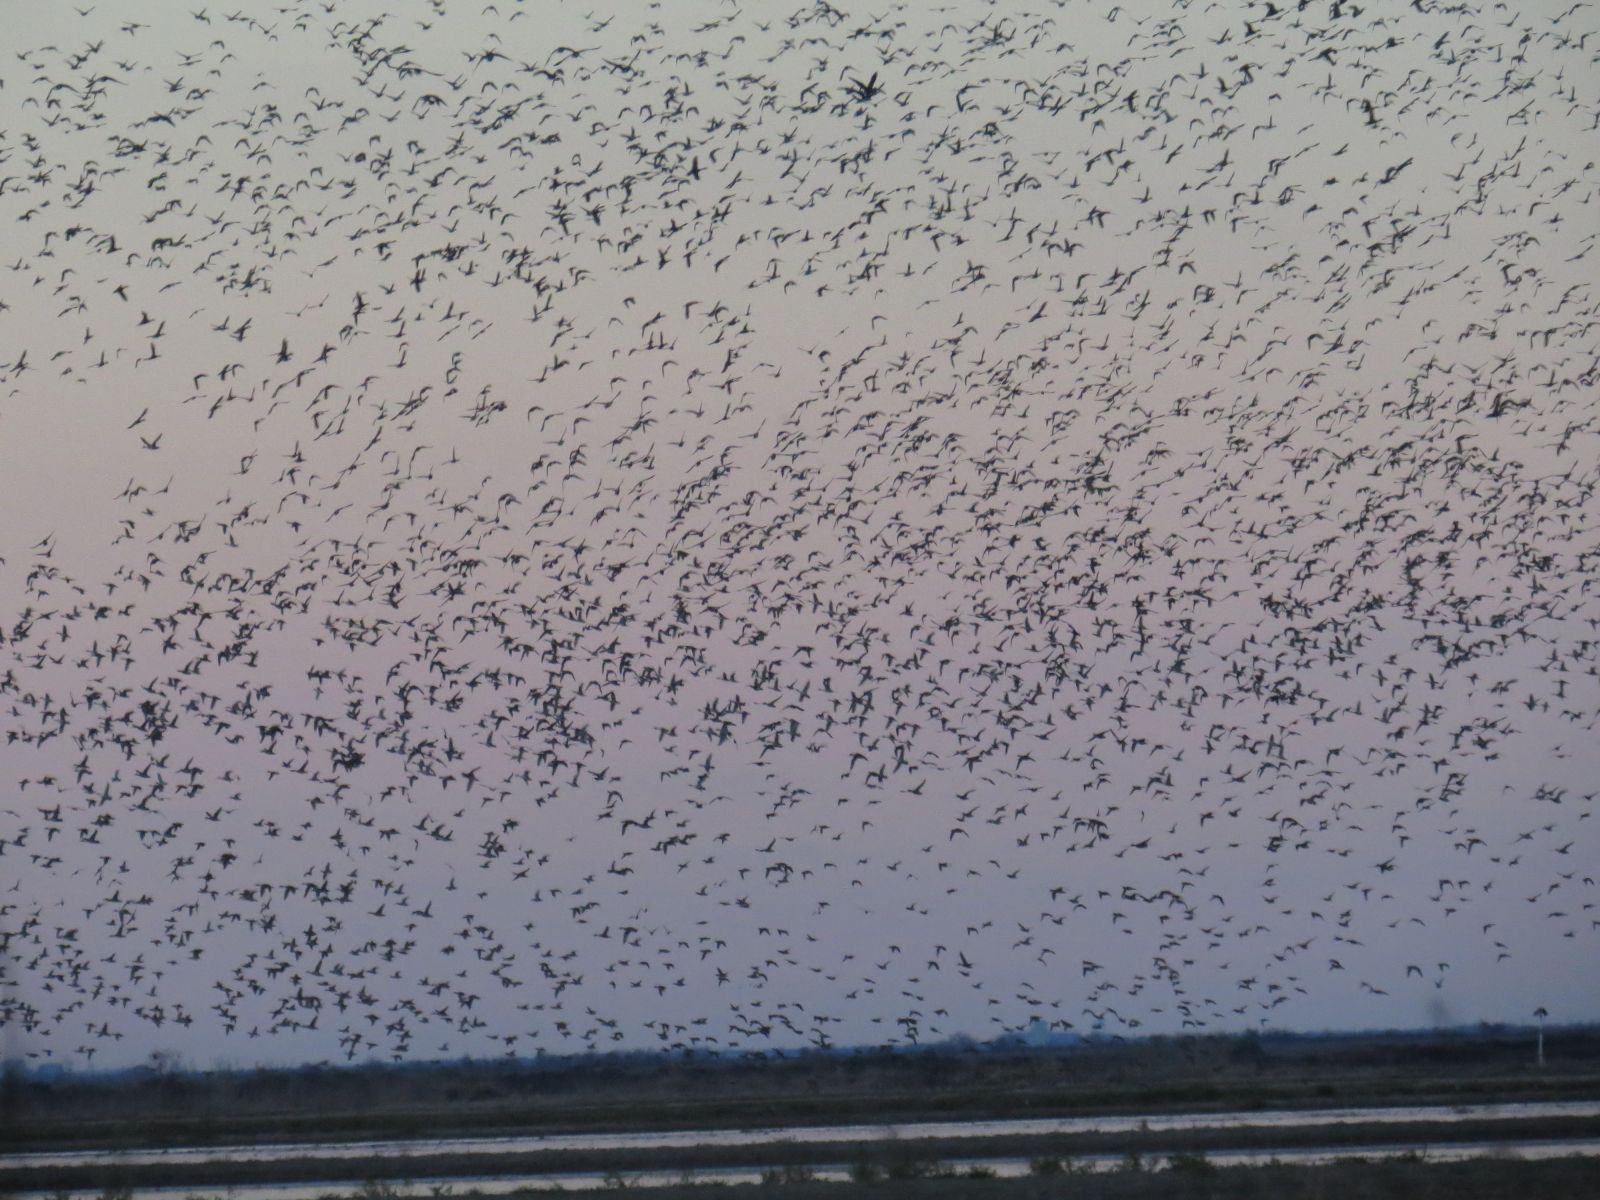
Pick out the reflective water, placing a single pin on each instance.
(518, 1144)
(495, 1185)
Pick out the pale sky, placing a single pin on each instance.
(531, 529)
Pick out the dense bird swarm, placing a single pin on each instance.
(737, 527)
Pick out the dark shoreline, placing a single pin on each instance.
(1488, 1176)
(1478, 1179)
(786, 1153)
(327, 1106)
(487, 1099)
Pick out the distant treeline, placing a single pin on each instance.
(1372, 1046)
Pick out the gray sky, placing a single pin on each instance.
(531, 529)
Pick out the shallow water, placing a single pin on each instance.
(677, 1139)
(1006, 1168)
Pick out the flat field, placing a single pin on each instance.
(420, 1105)
(1159, 1075)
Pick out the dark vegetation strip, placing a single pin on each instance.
(744, 1112)
(1393, 1179)
(599, 1095)
(887, 1156)
(1558, 1179)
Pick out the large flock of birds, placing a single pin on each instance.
(730, 527)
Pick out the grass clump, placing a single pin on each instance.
(1196, 1166)
(864, 1171)
(789, 1173)
(1047, 1165)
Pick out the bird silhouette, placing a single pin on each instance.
(730, 534)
